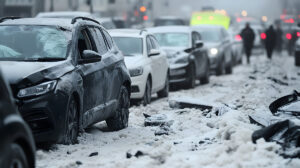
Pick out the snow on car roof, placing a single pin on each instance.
(66, 23)
(127, 32)
(175, 29)
(67, 14)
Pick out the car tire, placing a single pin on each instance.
(191, 83)
(228, 69)
(205, 79)
(120, 120)
(72, 124)
(148, 92)
(17, 157)
(165, 91)
(221, 68)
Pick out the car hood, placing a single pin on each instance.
(133, 61)
(174, 54)
(29, 73)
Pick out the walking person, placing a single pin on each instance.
(248, 37)
(270, 41)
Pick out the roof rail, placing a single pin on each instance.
(9, 18)
(83, 18)
(142, 30)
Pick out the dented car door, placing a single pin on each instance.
(94, 78)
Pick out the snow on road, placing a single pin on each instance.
(195, 139)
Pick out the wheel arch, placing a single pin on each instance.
(77, 99)
(127, 84)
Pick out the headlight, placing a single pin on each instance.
(37, 90)
(182, 60)
(136, 72)
(213, 51)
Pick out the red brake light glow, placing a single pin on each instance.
(263, 36)
(238, 37)
(288, 36)
(298, 34)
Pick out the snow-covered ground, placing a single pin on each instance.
(195, 139)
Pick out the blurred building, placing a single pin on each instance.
(23, 8)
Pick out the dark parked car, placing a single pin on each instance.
(188, 60)
(65, 75)
(17, 148)
(217, 40)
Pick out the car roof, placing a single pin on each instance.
(174, 29)
(128, 33)
(61, 22)
(64, 13)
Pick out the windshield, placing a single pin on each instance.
(210, 35)
(173, 39)
(130, 46)
(25, 43)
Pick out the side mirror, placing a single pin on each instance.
(199, 44)
(154, 52)
(90, 56)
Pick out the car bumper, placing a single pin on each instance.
(214, 62)
(179, 73)
(138, 84)
(46, 116)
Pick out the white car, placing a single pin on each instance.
(147, 63)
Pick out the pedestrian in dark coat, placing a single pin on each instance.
(279, 39)
(248, 37)
(270, 41)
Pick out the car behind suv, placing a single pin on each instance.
(188, 60)
(65, 75)
(147, 64)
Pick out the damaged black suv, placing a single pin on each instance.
(65, 75)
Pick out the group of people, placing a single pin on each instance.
(272, 37)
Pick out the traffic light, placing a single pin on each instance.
(143, 9)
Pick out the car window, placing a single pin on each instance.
(130, 46)
(154, 43)
(149, 45)
(211, 35)
(173, 39)
(22, 42)
(108, 38)
(224, 33)
(100, 42)
(84, 42)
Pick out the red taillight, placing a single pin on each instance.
(145, 18)
(263, 36)
(298, 34)
(238, 37)
(288, 36)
